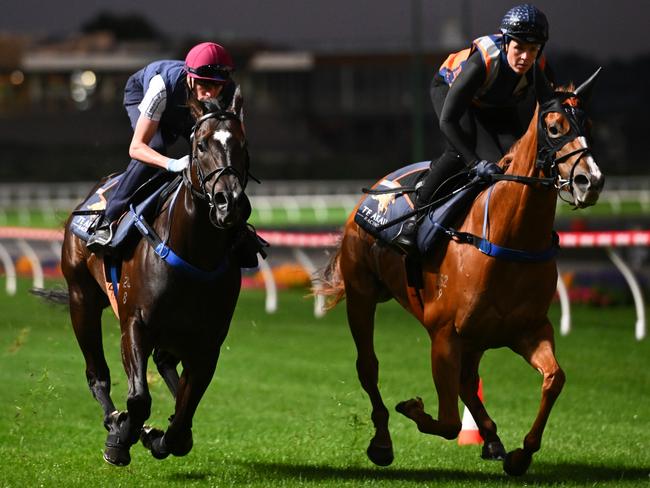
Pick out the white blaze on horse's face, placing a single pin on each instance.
(225, 163)
(222, 136)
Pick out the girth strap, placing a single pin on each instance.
(491, 249)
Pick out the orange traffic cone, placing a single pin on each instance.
(469, 432)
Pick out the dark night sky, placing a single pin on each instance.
(604, 29)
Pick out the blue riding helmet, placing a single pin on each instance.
(525, 23)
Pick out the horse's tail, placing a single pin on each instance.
(58, 296)
(330, 282)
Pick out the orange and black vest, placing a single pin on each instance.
(494, 58)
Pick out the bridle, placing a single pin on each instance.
(547, 147)
(204, 192)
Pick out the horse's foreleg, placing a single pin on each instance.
(124, 430)
(86, 303)
(445, 366)
(361, 313)
(539, 352)
(469, 382)
(136, 349)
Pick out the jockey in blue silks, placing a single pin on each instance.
(156, 101)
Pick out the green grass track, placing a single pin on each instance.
(285, 408)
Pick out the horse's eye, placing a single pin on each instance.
(201, 146)
(553, 131)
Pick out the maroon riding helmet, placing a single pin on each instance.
(209, 61)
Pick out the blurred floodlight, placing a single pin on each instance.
(79, 94)
(16, 77)
(88, 79)
(82, 85)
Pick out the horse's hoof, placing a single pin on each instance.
(381, 456)
(493, 451)
(517, 462)
(153, 439)
(183, 449)
(116, 453)
(407, 407)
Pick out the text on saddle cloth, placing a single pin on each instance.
(86, 215)
(381, 208)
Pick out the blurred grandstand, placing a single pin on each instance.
(322, 113)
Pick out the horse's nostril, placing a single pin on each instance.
(220, 198)
(581, 181)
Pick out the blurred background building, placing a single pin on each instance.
(326, 111)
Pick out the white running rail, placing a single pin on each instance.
(299, 242)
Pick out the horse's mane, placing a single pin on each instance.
(196, 109)
(530, 137)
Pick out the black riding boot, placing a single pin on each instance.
(102, 235)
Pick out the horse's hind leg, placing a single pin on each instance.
(177, 440)
(469, 381)
(361, 312)
(86, 304)
(539, 352)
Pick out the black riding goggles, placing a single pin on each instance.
(212, 71)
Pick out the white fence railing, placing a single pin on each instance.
(321, 198)
(18, 241)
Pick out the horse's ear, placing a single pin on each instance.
(237, 103)
(584, 91)
(543, 88)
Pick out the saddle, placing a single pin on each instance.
(146, 201)
(390, 200)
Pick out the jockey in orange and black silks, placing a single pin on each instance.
(484, 99)
(501, 85)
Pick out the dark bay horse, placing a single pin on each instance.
(178, 314)
(472, 301)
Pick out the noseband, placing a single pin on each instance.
(205, 193)
(547, 147)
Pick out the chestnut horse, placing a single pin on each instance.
(181, 314)
(471, 300)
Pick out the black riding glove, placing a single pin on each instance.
(485, 169)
